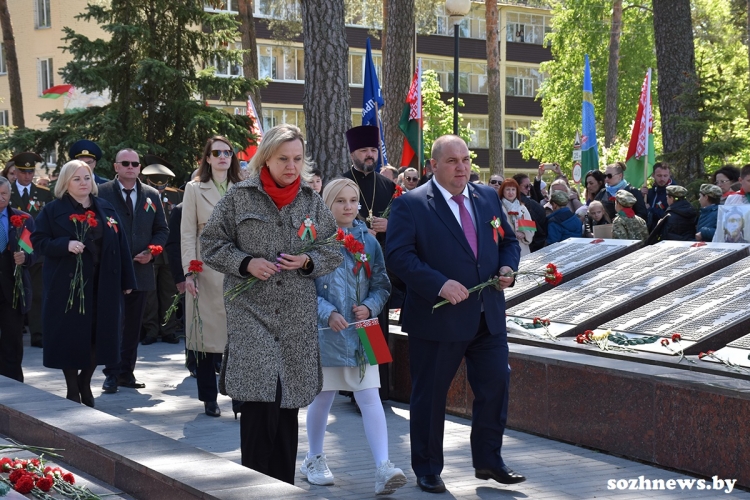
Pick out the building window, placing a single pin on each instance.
(471, 26)
(364, 14)
(527, 28)
(281, 63)
(3, 68)
(229, 69)
(221, 6)
(357, 67)
(479, 129)
(42, 8)
(522, 82)
(4, 118)
(274, 9)
(513, 137)
(472, 77)
(277, 116)
(46, 75)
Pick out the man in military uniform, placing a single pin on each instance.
(30, 198)
(627, 225)
(158, 174)
(89, 153)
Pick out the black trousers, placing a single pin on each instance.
(158, 301)
(433, 365)
(133, 305)
(37, 289)
(268, 438)
(205, 372)
(11, 339)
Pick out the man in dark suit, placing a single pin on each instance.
(30, 198)
(441, 242)
(142, 219)
(11, 318)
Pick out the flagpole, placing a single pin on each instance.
(380, 145)
(648, 110)
(420, 151)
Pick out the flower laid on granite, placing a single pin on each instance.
(603, 340)
(155, 250)
(550, 275)
(335, 239)
(398, 192)
(82, 223)
(732, 366)
(680, 351)
(31, 476)
(537, 323)
(23, 244)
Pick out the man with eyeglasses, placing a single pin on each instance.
(495, 182)
(411, 178)
(538, 215)
(143, 222)
(614, 180)
(657, 194)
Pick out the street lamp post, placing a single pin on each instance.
(456, 10)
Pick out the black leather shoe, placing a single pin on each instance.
(131, 383)
(503, 475)
(110, 384)
(171, 339)
(431, 483)
(212, 408)
(148, 340)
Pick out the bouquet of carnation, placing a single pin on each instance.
(248, 283)
(361, 263)
(398, 192)
(82, 223)
(550, 275)
(32, 476)
(155, 250)
(23, 243)
(195, 268)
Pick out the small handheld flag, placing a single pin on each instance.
(24, 242)
(373, 341)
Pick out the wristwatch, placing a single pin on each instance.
(307, 265)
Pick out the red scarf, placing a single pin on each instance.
(629, 212)
(281, 196)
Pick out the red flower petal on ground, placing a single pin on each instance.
(580, 338)
(710, 352)
(676, 337)
(25, 485)
(45, 483)
(665, 342)
(17, 474)
(551, 268)
(587, 334)
(702, 355)
(69, 478)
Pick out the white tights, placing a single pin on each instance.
(373, 418)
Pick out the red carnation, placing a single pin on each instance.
(92, 222)
(352, 245)
(25, 485)
(588, 334)
(90, 214)
(551, 268)
(580, 338)
(17, 474)
(45, 484)
(6, 464)
(710, 352)
(702, 355)
(73, 217)
(196, 266)
(340, 235)
(68, 478)
(16, 220)
(398, 192)
(665, 342)
(35, 462)
(676, 337)
(155, 250)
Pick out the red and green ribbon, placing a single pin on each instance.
(307, 228)
(497, 230)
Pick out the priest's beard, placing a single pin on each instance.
(367, 166)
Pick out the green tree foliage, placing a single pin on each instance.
(582, 27)
(150, 68)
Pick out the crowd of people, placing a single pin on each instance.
(278, 268)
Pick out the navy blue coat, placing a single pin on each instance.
(68, 335)
(426, 247)
(562, 224)
(8, 266)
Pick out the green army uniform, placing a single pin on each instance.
(629, 228)
(157, 173)
(32, 202)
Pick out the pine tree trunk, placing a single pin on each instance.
(11, 61)
(399, 38)
(678, 88)
(494, 98)
(250, 46)
(748, 52)
(326, 99)
(613, 72)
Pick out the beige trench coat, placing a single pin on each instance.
(197, 205)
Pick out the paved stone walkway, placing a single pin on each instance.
(169, 405)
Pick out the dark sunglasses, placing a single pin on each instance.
(126, 163)
(609, 176)
(496, 182)
(221, 152)
(412, 178)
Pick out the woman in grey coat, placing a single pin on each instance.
(272, 358)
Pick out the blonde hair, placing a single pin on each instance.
(599, 204)
(67, 172)
(272, 140)
(334, 187)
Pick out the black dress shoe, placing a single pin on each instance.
(84, 389)
(148, 340)
(503, 475)
(110, 384)
(131, 383)
(212, 408)
(431, 483)
(170, 339)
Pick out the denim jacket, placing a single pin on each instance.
(337, 292)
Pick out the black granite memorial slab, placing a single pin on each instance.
(572, 257)
(707, 314)
(623, 285)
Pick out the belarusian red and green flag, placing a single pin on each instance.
(24, 242)
(373, 341)
(57, 91)
(641, 158)
(411, 123)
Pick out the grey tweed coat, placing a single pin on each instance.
(272, 329)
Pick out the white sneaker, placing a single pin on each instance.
(388, 478)
(316, 470)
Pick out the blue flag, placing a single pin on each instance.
(589, 148)
(370, 98)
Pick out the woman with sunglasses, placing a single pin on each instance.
(219, 170)
(614, 178)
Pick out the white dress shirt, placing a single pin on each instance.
(454, 206)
